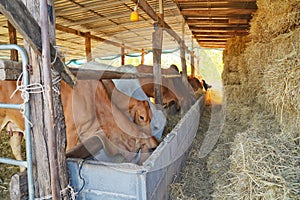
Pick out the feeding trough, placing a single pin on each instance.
(104, 180)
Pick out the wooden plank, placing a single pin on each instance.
(218, 4)
(157, 38)
(217, 29)
(216, 12)
(88, 48)
(18, 186)
(12, 40)
(220, 32)
(100, 39)
(220, 26)
(10, 70)
(212, 1)
(122, 55)
(19, 16)
(237, 21)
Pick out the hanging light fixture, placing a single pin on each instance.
(134, 16)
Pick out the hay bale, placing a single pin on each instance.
(274, 17)
(275, 76)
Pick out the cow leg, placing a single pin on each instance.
(15, 143)
(87, 148)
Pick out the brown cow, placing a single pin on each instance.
(12, 119)
(195, 83)
(81, 114)
(138, 111)
(104, 121)
(173, 90)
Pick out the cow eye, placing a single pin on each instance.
(142, 118)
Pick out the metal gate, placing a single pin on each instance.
(26, 108)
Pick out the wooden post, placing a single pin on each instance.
(143, 57)
(192, 60)
(88, 47)
(48, 103)
(157, 38)
(122, 55)
(40, 135)
(12, 40)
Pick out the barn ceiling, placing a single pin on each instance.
(206, 22)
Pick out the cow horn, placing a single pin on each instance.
(137, 158)
(87, 148)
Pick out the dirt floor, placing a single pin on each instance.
(193, 181)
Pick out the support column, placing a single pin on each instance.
(122, 55)
(40, 135)
(12, 40)
(192, 60)
(157, 38)
(143, 57)
(88, 47)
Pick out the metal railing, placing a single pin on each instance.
(25, 81)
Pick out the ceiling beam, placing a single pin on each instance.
(212, 1)
(218, 4)
(216, 12)
(82, 34)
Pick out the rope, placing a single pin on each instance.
(34, 88)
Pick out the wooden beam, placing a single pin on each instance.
(12, 40)
(212, 40)
(218, 4)
(199, 36)
(212, 1)
(157, 38)
(216, 12)
(19, 16)
(220, 32)
(122, 55)
(88, 48)
(206, 21)
(237, 21)
(96, 38)
(143, 57)
(220, 26)
(232, 28)
(151, 13)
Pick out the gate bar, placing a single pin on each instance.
(25, 81)
(11, 106)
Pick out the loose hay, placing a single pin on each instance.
(6, 171)
(264, 164)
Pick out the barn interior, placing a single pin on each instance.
(254, 151)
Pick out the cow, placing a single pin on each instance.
(12, 119)
(138, 111)
(173, 89)
(195, 83)
(103, 125)
(81, 125)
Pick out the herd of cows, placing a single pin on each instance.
(98, 116)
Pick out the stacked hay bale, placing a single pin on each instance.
(258, 152)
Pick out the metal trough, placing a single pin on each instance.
(97, 180)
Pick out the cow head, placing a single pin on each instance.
(141, 113)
